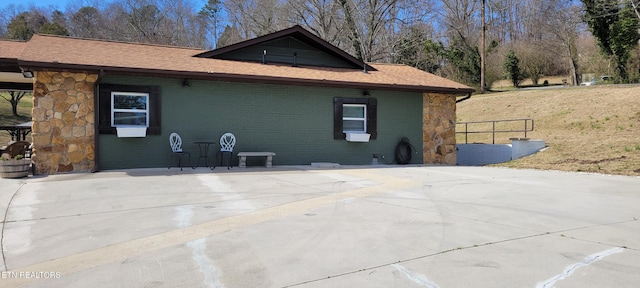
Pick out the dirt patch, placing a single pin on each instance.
(590, 161)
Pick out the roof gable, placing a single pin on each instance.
(294, 46)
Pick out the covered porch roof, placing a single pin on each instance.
(11, 77)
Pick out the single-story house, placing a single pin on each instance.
(288, 92)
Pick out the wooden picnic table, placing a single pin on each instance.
(18, 132)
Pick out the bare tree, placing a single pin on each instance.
(155, 21)
(416, 48)
(635, 5)
(183, 26)
(462, 35)
(87, 23)
(564, 25)
(322, 17)
(230, 35)
(256, 17)
(353, 33)
(212, 12)
(25, 24)
(14, 99)
(370, 27)
(533, 60)
(460, 20)
(439, 36)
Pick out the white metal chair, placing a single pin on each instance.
(176, 150)
(227, 142)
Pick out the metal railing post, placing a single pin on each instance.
(466, 133)
(493, 132)
(532, 124)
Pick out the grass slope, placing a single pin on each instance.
(588, 129)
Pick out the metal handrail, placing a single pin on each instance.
(527, 128)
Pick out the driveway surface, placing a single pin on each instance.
(388, 226)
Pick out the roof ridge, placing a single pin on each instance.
(13, 40)
(116, 41)
(386, 63)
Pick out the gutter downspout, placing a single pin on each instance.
(465, 98)
(96, 121)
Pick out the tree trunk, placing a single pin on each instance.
(16, 96)
(351, 24)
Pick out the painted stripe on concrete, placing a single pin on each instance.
(419, 279)
(206, 266)
(572, 268)
(183, 216)
(225, 192)
(119, 252)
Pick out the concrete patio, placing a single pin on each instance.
(376, 226)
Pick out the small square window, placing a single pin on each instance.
(135, 106)
(129, 109)
(354, 118)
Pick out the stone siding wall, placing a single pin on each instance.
(439, 129)
(63, 122)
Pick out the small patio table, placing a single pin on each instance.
(204, 152)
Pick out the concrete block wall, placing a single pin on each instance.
(525, 147)
(483, 154)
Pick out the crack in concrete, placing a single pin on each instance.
(4, 223)
(458, 249)
(149, 208)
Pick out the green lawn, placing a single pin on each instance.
(7, 117)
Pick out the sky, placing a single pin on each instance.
(60, 4)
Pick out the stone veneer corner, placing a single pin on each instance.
(63, 130)
(439, 129)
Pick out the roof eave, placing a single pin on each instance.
(246, 78)
(12, 86)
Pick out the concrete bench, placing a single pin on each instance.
(243, 158)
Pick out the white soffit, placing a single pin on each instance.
(14, 78)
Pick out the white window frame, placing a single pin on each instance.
(114, 110)
(363, 119)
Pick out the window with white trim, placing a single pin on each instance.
(355, 115)
(129, 109)
(354, 118)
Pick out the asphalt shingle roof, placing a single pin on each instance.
(11, 49)
(47, 51)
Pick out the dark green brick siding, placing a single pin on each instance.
(295, 122)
